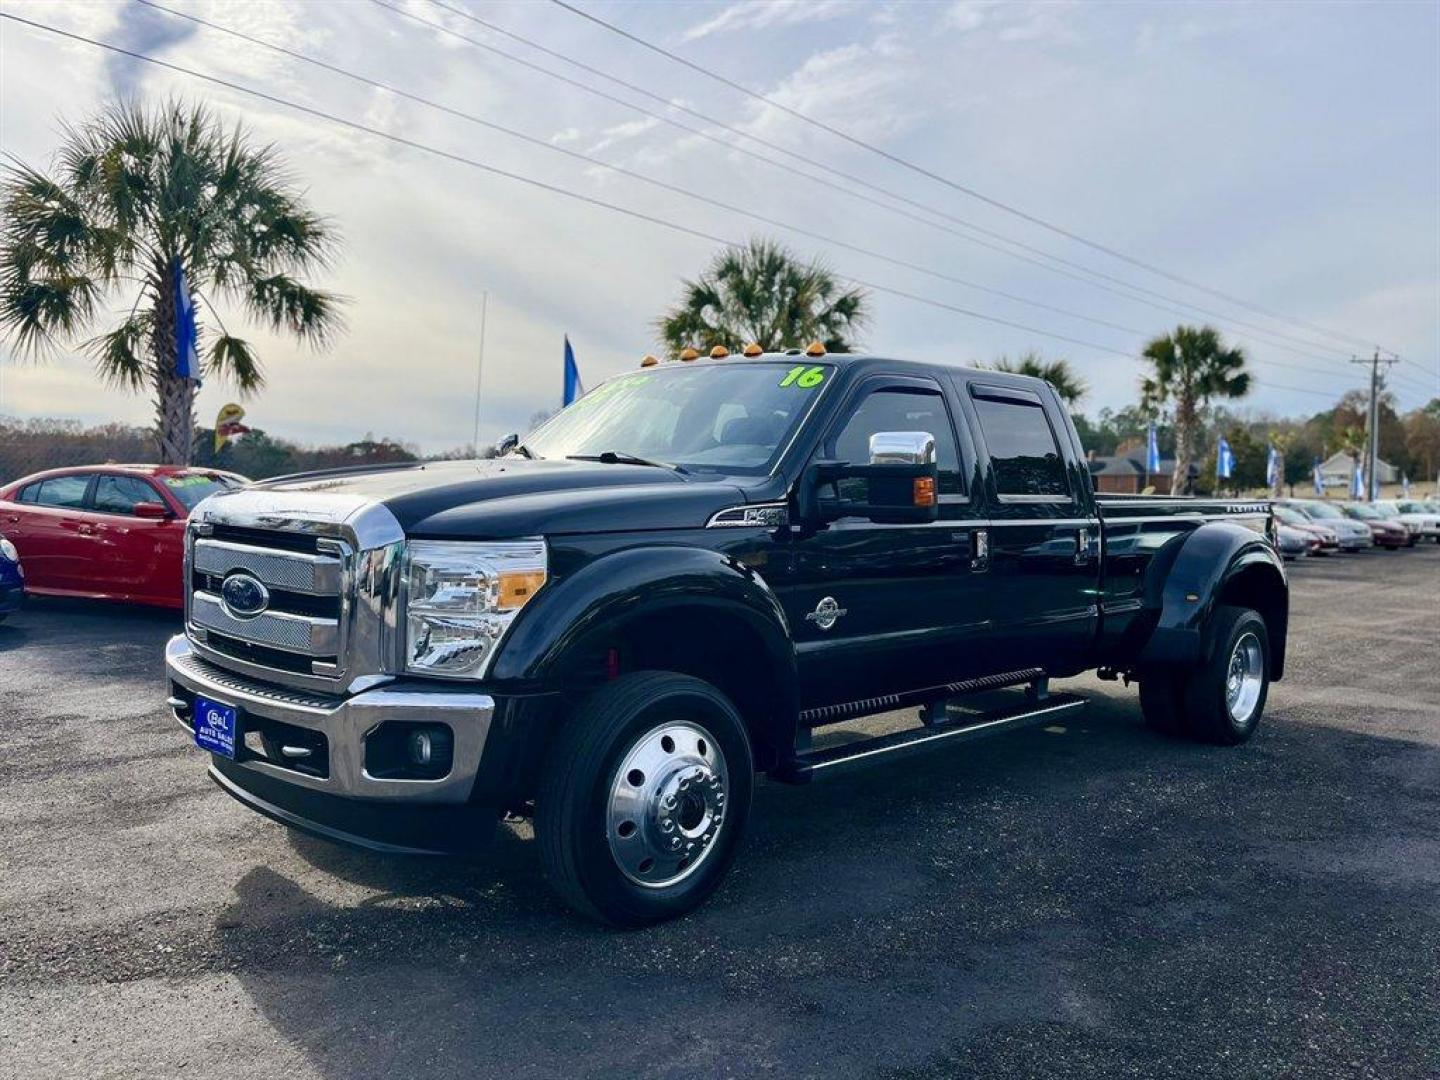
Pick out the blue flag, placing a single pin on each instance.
(1152, 452)
(1224, 460)
(573, 387)
(187, 359)
(1272, 467)
(1357, 482)
(1319, 474)
(1404, 486)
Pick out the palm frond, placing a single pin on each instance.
(235, 359)
(118, 354)
(286, 304)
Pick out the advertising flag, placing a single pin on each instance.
(1152, 451)
(1357, 482)
(573, 386)
(1319, 475)
(1224, 460)
(1272, 466)
(187, 359)
(228, 425)
(1404, 486)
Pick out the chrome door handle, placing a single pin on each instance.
(980, 559)
(1082, 547)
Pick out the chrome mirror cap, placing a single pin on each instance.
(902, 448)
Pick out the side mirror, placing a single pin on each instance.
(152, 511)
(901, 482)
(506, 443)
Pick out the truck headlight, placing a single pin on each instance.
(460, 599)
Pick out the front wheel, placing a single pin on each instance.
(1225, 695)
(644, 799)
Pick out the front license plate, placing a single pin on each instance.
(216, 726)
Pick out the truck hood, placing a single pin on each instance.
(518, 497)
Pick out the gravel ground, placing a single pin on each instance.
(1092, 900)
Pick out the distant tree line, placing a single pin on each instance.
(28, 446)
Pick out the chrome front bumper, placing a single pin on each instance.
(345, 722)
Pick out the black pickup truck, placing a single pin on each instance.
(671, 586)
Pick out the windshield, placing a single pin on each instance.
(731, 418)
(1320, 510)
(1291, 517)
(191, 488)
(1364, 512)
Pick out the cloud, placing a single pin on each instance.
(765, 15)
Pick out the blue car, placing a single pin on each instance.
(12, 579)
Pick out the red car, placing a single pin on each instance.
(111, 532)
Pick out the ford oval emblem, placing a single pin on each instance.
(244, 596)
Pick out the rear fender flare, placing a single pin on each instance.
(1211, 561)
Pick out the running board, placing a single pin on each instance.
(803, 768)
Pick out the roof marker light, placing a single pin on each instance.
(689, 354)
(815, 348)
(719, 352)
(649, 361)
(753, 349)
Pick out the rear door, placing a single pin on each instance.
(57, 537)
(1044, 534)
(880, 608)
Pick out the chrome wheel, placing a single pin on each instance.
(1244, 679)
(667, 804)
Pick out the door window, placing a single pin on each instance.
(1023, 449)
(897, 409)
(63, 491)
(119, 494)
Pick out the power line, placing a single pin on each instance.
(643, 178)
(568, 193)
(533, 182)
(946, 181)
(1264, 334)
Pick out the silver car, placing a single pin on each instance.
(1353, 535)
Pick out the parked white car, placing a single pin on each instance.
(1412, 512)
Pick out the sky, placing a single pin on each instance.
(1284, 155)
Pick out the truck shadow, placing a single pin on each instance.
(874, 921)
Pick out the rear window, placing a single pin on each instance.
(1023, 449)
(66, 492)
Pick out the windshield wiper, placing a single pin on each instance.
(620, 457)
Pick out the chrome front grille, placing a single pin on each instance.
(331, 566)
(303, 634)
(317, 575)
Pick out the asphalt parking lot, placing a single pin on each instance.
(1095, 901)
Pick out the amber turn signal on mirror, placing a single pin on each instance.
(924, 491)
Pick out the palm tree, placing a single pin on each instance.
(139, 201)
(761, 293)
(1189, 368)
(1058, 373)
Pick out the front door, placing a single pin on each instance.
(877, 608)
(137, 558)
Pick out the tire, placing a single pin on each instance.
(601, 810)
(1218, 709)
(1162, 701)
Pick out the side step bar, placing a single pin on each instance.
(804, 768)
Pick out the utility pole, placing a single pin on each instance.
(480, 371)
(1372, 444)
